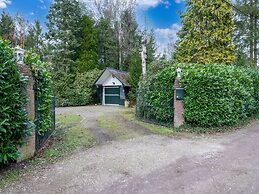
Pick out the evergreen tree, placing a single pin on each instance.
(206, 35)
(130, 38)
(63, 22)
(34, 39)
(7, 27)
(247, 31)
(88, 58)
(107, 45)
(151, 48)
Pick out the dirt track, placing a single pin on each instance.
(152, 164)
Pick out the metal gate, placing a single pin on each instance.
(40, 140)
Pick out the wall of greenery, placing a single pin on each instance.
(215, 95)
(155, 96)
(43, 89)
(218, 95)
(14, 126)
(77, 90)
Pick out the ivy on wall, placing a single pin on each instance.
(43, 91)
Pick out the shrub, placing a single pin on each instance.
(13, 117)
(155, 96)
(255, 78)
(217, 95)
(43, 89)
(77, 90)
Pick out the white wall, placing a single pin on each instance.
(112, 81)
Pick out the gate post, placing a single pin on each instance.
(178, 104)
(28, 150)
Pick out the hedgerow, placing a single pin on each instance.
(14, 126)
(215, 95)
(155, 96)
(77, 90)
(43, 89)
(218, 95)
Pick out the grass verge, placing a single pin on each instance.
(68, 136)
(156, 129)
(116, 127)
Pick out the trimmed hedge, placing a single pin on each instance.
(155, 96)
(215, 95)
(77, 90)
(13, 117)
(218, 95)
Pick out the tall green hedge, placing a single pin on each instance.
(218, 95)
(13, 117)
(77, 90)
(43, 89)
(155, 96)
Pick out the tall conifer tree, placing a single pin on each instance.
(63, 22)
(206, 35)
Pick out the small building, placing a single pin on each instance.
(112, 87)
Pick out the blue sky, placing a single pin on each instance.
(161, 15)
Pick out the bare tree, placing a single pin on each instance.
(21, 28)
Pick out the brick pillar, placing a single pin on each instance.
(28, 149)
(178, 107)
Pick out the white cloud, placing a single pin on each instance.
(152, 3)
(179, 1)
(41, 1)
(165, 36)
(31, 13)
(43, 7)
(4, 3)
(140, 3)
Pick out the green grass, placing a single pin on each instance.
(68, 136)
(160, 130)
(156, 129)
(107, 123)
(115, 128)
(10, 177)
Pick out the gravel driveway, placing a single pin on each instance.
(227, 163)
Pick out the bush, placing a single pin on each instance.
(155, 96)
(43, 89)
(13, 117)
(77, 90)
(217, 95)
(255, 78)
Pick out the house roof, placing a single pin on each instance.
(122, 76)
